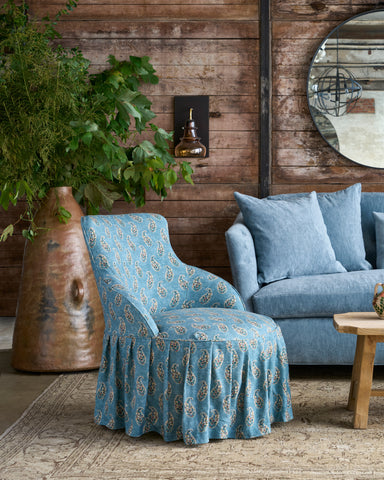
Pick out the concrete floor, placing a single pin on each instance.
(17, 389)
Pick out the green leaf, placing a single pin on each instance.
(108, 150)
(28, 191)
(112, 60)
(132, 110)
(29, 234)
(92, 194)
(100, 196)
(138, 155)
(129, 172)
(63, 215)
(90, 126)
(129, 95)
(73, 144)
(115, 79)
(7, 232)
(147, 175)
(160, 140)
(187, 167)
(142, 101)
(148, 148)
(155, 163)
(187, 171)
(170, 178)
(87, 138)
(5, 197)
(20, 191)
(165, 134)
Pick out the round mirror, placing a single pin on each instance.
(345, 89)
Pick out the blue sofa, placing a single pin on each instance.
(303, 305)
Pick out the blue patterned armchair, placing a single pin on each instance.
(181, 356)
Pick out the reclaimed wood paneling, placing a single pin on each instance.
(301, 159)
(210, 48)
(111, 10)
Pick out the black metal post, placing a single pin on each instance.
(265, 152)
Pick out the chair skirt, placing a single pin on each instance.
(209, 374)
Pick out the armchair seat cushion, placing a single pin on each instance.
(209, 373)
(318, 295)
(213, 324)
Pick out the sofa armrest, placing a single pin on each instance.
(242, 257)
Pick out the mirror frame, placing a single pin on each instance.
(355, 17)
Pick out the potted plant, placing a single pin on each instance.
(66, 130)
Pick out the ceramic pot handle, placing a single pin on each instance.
(376, 287)
(77, 290)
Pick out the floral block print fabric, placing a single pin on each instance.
(192, 374)
(133, 252)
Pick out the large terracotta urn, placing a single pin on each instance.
(59, 321)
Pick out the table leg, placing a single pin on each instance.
(361, 383)
(355, 373)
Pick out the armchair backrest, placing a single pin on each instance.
(115, 244)
(136, 250)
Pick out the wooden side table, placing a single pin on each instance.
(369, 329)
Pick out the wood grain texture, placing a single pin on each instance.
(212, 48)
(205, 48)
(149, 29)
(302, 160)
(359, 323)
(163, 12)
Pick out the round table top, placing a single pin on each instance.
(359, 323)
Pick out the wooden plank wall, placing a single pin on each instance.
(211, 48)
(302, 161)
(208, 47)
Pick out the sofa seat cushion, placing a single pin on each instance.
(318, 295)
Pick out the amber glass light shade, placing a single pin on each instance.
(190, 145)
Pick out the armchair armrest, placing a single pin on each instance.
(209, 290)
(242, 257)
(123, 311)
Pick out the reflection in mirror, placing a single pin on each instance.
(346, 89)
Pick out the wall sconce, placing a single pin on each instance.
(191, 114)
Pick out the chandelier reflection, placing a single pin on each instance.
(337, 90)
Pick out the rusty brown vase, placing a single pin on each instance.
(59, 321)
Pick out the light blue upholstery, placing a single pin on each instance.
(181, 356)
(370, 202)
(342, 216)
(318, 295)
(341, 212)
(379, 229)
(316, 342)
(303, 307)
(240, 243)
(290, 237)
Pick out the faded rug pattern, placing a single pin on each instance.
(57, 439)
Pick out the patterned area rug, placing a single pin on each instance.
(56, 439)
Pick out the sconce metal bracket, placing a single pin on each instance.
(200, 105)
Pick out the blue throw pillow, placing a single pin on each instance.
(342, 216)
(379, 228)
(290, 237)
